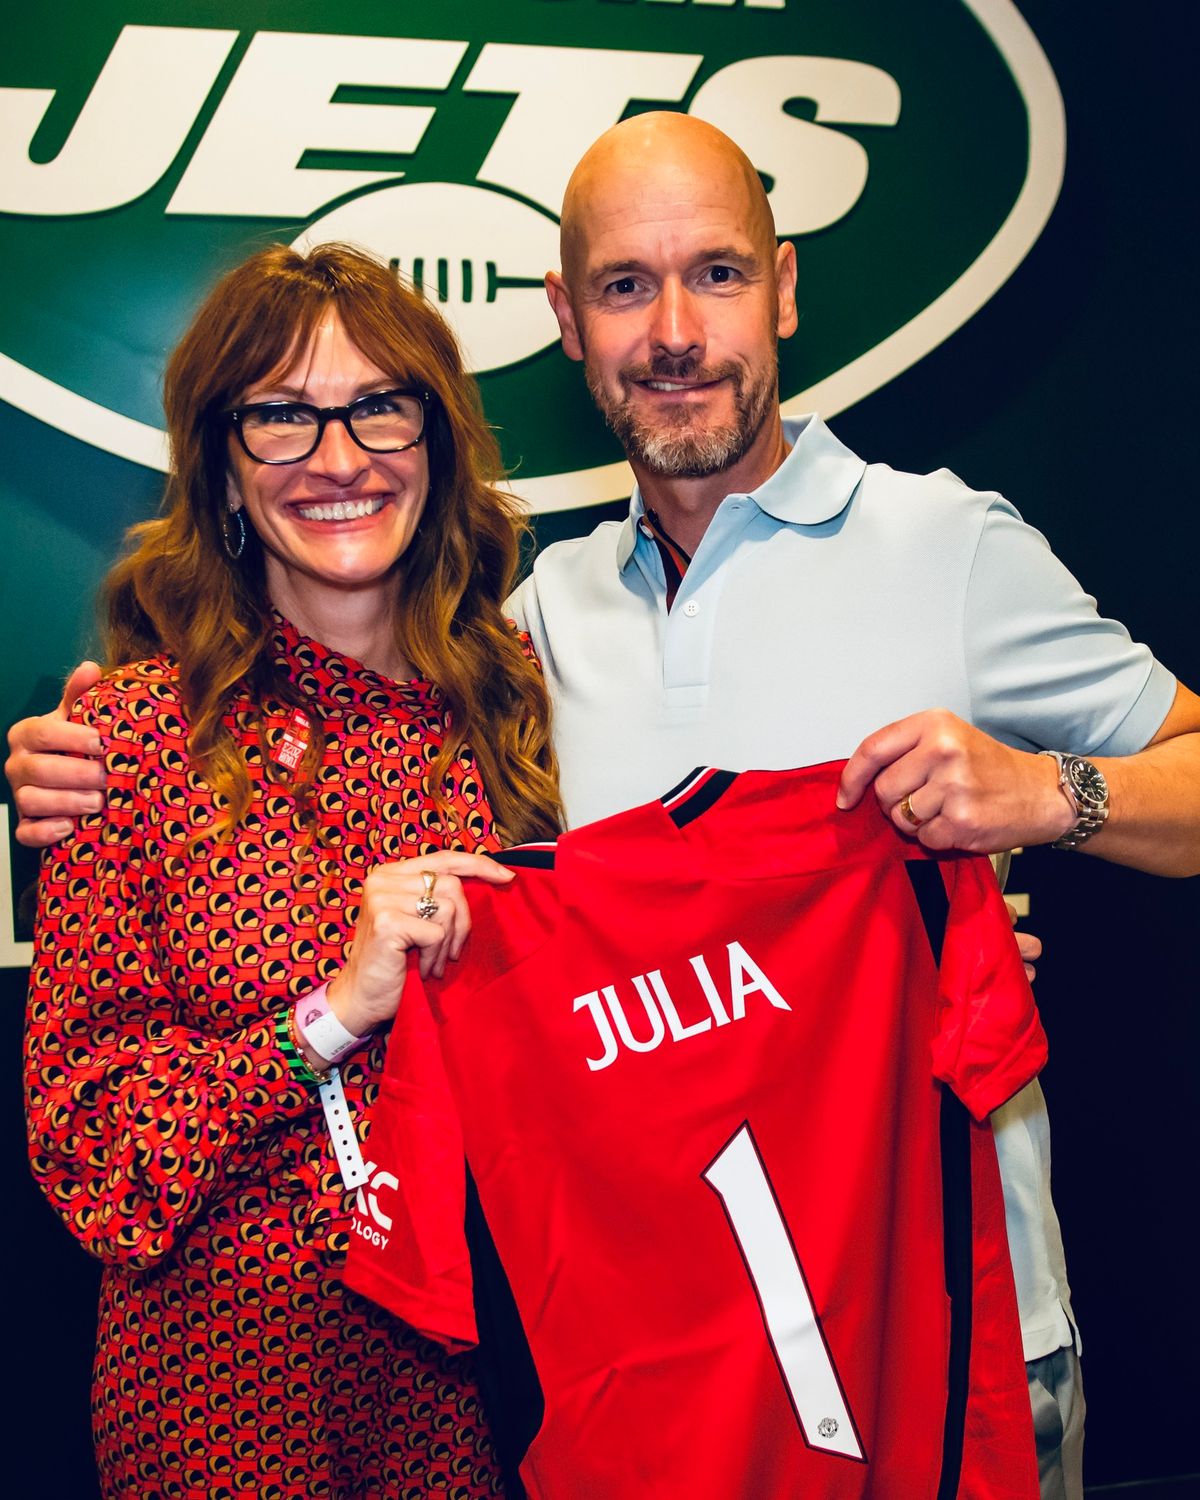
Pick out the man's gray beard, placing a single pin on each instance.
(680, 453)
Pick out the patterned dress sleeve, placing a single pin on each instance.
(135, 1119)
(524, 640)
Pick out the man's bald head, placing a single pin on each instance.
(673, 159)
(674, 294)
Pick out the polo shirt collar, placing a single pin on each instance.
(814, 483)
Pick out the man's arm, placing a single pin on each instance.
(969, 791)
(54, 767)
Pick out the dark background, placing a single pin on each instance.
(1072, 392)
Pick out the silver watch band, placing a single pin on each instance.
(1089, 818)
(1087, 824)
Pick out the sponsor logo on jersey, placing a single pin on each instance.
(912, 153)
(643, 1021)
(369, 1220)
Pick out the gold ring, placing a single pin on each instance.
(906, 809)
(427, 908)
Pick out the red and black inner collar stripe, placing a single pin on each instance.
(674, 559)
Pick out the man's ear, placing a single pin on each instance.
(785, 284)
(560, 301)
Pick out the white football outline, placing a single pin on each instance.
(421, 216)
(141, 443)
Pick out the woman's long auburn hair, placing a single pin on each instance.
(178, 590)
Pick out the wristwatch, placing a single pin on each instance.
(1085, 788)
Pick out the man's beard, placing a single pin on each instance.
(677, 445)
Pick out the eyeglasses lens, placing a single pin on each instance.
(387, 422)
(285, 431)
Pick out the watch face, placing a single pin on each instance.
(1088, 783)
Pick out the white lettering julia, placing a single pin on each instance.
(655, 1012)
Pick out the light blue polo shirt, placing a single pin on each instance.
(837, 597)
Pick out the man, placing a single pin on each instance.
(772, 601)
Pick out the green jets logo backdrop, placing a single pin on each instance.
(912, 152)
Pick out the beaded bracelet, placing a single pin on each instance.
(285, 1037)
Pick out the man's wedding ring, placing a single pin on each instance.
(906, 809)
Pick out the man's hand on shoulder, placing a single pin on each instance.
(951, 786)
(54, 767)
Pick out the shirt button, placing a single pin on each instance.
(691, 609)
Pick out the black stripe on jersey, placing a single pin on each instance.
(934, 906)
(925, 876)
(681, 786)
(508, 1379)
(710, 788)
(956, 1229)
(527, 856)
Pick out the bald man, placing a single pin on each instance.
(774, 601)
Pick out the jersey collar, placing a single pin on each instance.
(814, 483)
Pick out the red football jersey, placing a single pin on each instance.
(692, 1054)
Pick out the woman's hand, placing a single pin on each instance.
(367, 991)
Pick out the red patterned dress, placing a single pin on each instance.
(170, 1136)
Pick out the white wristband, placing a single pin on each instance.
(342, 1137)
(321, 1030)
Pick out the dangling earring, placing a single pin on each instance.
(234, 552)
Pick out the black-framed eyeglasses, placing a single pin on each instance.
(284, 432)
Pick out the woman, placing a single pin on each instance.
(276, 747)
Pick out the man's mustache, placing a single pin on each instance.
(684, 367)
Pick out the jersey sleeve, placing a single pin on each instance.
(135, 1120)
(989, 1040)
(1046, 670)
(418, 1265)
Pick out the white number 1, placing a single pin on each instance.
(739, 1178)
